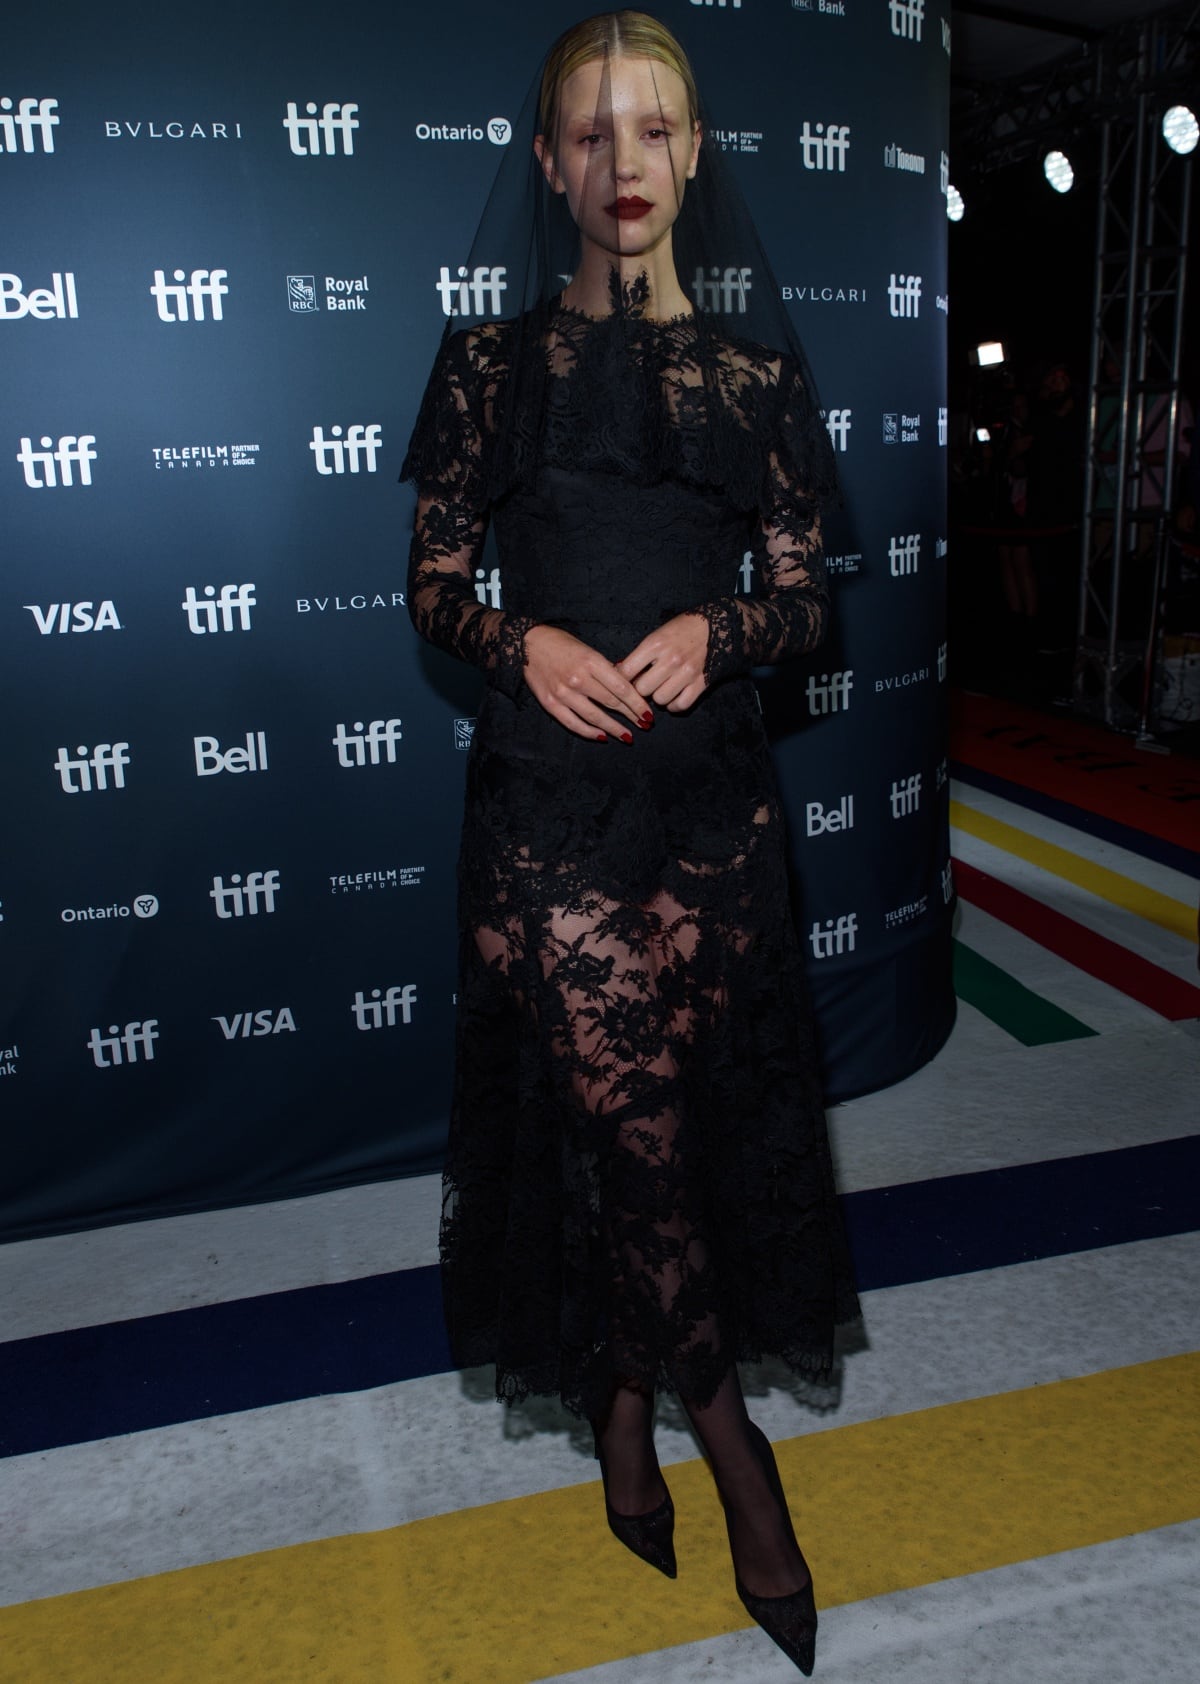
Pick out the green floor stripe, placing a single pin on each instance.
(1026, 1016)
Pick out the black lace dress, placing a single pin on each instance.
(638, 1181)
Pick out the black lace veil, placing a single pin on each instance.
(523, 257)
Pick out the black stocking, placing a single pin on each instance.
(624, 1438)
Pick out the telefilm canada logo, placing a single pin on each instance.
(57, 302)
(188, 294)
(30, 128)
(736, 140)
(185, 458)
(497, 130)
(339, 293)
(54, 465)
(906, 914)
(824, 146)
(63, 617)
(376, 882)
(328, 135)
(141, 906)
(840, 565)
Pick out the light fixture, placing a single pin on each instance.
(1180, 129)
(988, 355)
(955, 204)
(1058, 171)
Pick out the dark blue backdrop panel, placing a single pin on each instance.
(233, 774)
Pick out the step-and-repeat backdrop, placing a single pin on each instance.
(231, 772)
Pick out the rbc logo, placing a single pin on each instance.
(31, 115)
(123, 1046)
(363, 747)
(42, 303)
(58, 461)
(302, 294)
(74, 617)
(338, 455)
(463, 296)
(906, 795)
(834, 936)
(904, 295)
(379, 1011)
(193, 288)
(92, 769)
(202, 615)
(823, 146)
(210, 759)
(830, 693)
(305, 134)
(243, 898)
(724, 290)
(904, 555)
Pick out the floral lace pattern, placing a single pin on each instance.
(638, 1182)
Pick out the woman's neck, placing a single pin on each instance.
(646, 284)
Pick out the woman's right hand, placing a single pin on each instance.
(576, 685)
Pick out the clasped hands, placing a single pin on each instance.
(594, 697)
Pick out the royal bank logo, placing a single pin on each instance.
(212, 759)
(477, 293)
(382, 1009)
(901, 429)
(906, 914)
(31, 122)
(824, 821)
(488, 588)
(904, 297)
(835, 935)
(149, 129)
(358, 602)
(183, 458)
(464, 731)
(356, 452)
(806, 292)
(722, 289)
(943, 425)
(907, 18)
(736, 140)
(498, 130)
(904, 555)
(88, 770)
(830, 693)
(245, 1026)
(340, 293)
(8, 1060)
(63, 617)
(302, 294)
(129, 1045)
(244, 899)
(224, 612)
(55, 463)
(906, 796)
(367, 745)
(824, 146)
(332, 132)
(895, 158)
(186, 299)
(57, 302)
(141, 906)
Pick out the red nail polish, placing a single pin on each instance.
(626, 736)
(600, 737)
(647, 721)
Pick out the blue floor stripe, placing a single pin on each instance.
(1120, 835)
(127, 1376)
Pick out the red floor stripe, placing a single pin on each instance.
(1106, 960)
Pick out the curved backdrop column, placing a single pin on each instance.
(232, 775)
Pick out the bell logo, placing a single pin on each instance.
(907, 18)
(821, 821)
(837, 424)
(32, 116)
(487, 587)
(243, 1025)
(904, 295)
(202, 615)
(74, 617)
(123, 1046)
(823, 146)
(830, 693)
(211, 759)
(906, 796)
(92, 769)
(464, 296)
(904, 555)
(338, 455)
(58, 461)
(192, 290)
(724, 290)
(305, 134)
(834, 936)
(42, 303)
(379, 1012)
(241, 900)
(363, 747)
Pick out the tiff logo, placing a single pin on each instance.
(943, 426)
(305, 134)
(837, 423)
(830, 693)
(75, 617)
(92, 769)
(244, 897)
(908, 18)
(338, 455)
(725, 289)
(31, 115)
(123, 1046)
(944, 172)
(906, 796)
(211, 759)
(904, 296)
(463, 296)
(946, 35)
(58, 461)
(941, 663)
(823, 146)
(834, 937)
(487, 587)
(904, 555)
(196, 287)
(379, 1012)
(202, 616)
(734, 5)
(364, 747)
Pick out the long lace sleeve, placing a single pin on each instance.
(446, 460)
(789, 613)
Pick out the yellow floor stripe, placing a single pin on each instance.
(1163, 910)
(522, 1590)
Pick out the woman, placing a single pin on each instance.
(638, 1185)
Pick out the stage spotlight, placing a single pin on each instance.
(988, 355)
(955, 204)
(1058, 171)
(1180, 129)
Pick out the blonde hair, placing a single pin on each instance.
(632, 33)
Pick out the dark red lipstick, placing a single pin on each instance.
(628, 210)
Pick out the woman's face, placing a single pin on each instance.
(624, 149)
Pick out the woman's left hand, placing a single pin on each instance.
(667, 667)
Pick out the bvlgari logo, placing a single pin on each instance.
(819, 292)
(154, 128)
